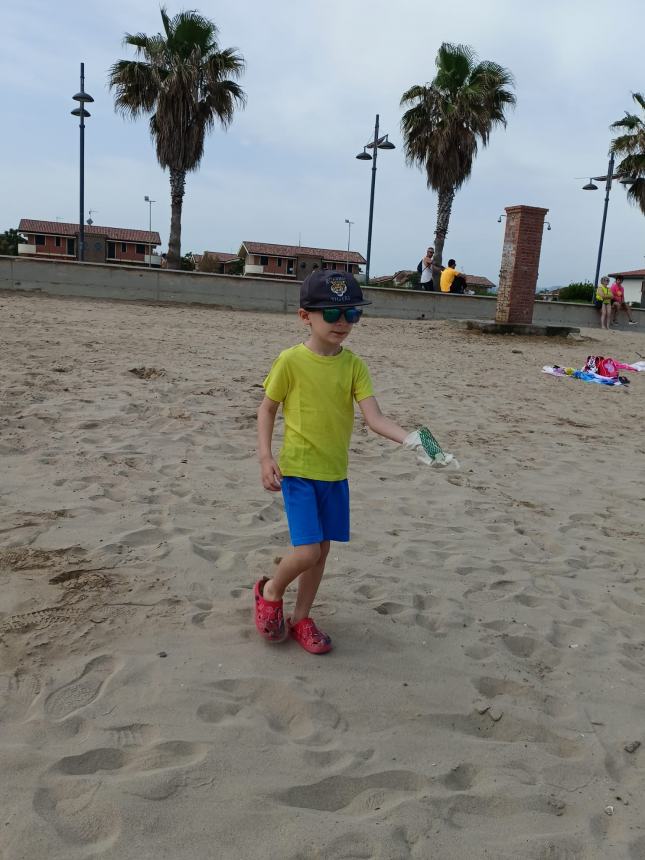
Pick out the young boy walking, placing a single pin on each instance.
(317, 383)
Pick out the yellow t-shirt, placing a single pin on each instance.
(603, 294)
(317, 393)
(447, 277)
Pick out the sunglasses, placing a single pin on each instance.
(332, 315)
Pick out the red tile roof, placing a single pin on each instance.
(478, 281)
(118, 234)
(222, 256)
(635, 273)
(327, 254)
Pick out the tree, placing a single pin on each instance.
(630, 146)
(582, 291)
(9, 241)
(446, 120)
(186, 82)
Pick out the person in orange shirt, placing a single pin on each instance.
(448, 276)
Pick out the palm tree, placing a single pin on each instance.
(186, 82)
(447, 119)
(631, 147)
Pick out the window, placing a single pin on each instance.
(111, 250)
(279, 262)
(289, 267)
(70, 247)
(40, 240)
(264, 261)
(140, 249)
(124, 247)
(58, 241)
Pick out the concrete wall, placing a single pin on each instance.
(103, 281)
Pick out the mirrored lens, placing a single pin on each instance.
(332, 315)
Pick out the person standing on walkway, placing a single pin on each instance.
(603, 296)
(426, 282)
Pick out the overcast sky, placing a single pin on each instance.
(318, 71)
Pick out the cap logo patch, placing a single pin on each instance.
(338, 286)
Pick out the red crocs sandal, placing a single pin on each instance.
(307, 634)
(269, 619)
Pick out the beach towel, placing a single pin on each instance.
(585, 375)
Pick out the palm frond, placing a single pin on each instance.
(135, 85)
(636, 194)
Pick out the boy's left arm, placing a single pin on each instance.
(380, 423)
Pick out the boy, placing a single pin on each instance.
(618, 301)
(317, 383)
(448, 276)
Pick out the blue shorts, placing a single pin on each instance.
(316, 510)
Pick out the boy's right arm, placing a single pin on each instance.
(269, 469)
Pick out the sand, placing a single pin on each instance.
(488, 623)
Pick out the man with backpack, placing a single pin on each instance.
(425, 270)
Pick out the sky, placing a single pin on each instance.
(317, 74)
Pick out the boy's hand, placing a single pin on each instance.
(271, 474)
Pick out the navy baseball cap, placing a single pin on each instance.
(330, 289)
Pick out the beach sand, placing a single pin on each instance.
(488, 623)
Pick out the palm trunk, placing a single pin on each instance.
(177, 188)
(444, 208)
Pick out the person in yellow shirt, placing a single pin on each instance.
(604, 297)
(448, 276)
(317, 383)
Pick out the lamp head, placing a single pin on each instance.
(590, 186)
(364, 156)
(385, 144)
(83, 97)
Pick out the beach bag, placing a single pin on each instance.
(420, 267)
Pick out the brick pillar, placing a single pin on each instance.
(520, 261)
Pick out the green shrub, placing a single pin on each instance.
(578, 292)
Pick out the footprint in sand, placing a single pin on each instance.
(79, 796)
(17, 693)
(361, 794)
(82, 691)
(287, 709)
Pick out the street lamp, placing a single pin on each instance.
(349, 239)
(149, 202)
(376, 144)
(590, 186)
(82, 97)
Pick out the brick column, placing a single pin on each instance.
(520, 261)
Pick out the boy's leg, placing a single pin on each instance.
(299, 560)
(308, 585)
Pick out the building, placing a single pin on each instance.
(56, 240)
(633, 284)
(217, 262)
(295, 262)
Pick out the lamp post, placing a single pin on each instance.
(376, 144)
(349, 239)
(149, 202)
(590, 186)
(82, 97)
